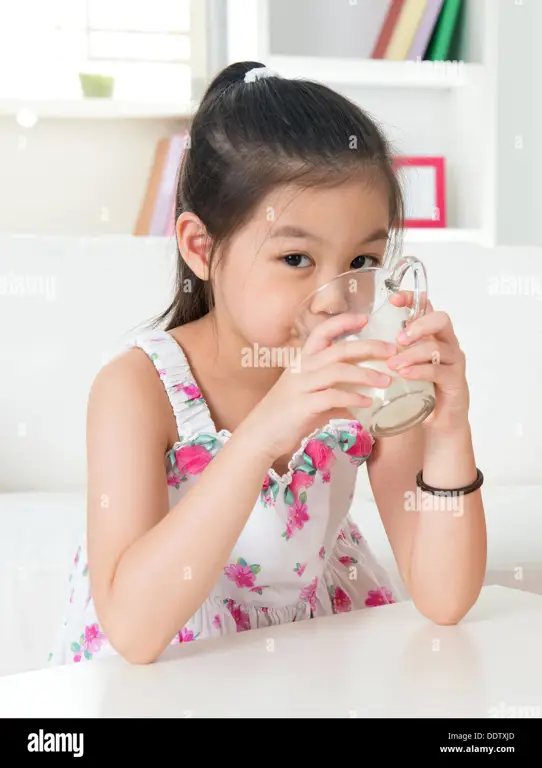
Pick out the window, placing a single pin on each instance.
(145, 45)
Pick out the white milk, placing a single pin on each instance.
(407, 402)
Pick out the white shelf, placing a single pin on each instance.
(97, 108)
(376, 72)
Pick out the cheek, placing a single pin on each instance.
(268, 315)
(264, 310)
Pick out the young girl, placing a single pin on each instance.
(219, 493)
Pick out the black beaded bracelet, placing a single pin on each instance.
(452, 491)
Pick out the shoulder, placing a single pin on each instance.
(127, 395)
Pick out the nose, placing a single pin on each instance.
(331, 299)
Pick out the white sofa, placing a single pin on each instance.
(54, 348)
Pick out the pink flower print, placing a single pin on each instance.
(355, 534)
(185, 636)
(347, 560)
(77, 554)
(289, 531)
(192, 391)
(89, 643)
(94, 638)
(341, 535)
(269, 491)
(380, 596)
(263, 609)
(162, 373)
(364, 442)
(297, 517)
(326, 476)
(239, 615)
(192, 459)
(217, 622)
(300, 568)
(321, 454)
(299, 481)
(341, 601)
(308, 594)
(242, 573)
(322, 553)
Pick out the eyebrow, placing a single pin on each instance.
(289, 230)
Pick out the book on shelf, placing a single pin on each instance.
(405, 30)
(157, 212)
(417, 30)
(425, 30)
(386, 32)
(441, 41)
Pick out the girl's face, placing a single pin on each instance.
(297, 240)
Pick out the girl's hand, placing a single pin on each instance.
(433, 354)
(314, 390)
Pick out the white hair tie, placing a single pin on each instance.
(257, 72)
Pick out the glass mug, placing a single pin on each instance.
(404, 403)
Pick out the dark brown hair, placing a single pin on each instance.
(247, 138)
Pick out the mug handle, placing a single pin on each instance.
(393, 284)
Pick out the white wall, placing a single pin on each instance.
(100, 289)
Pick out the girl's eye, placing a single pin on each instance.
(295, 259)
(360, 262)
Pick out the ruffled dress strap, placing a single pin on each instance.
(191, 412)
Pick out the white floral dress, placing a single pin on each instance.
(299, 556)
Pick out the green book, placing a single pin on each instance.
(439, 46)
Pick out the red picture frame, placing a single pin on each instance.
(439, 220)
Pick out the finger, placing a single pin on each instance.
(325, 332)
(427, 351)
(345, 373)
(406, 299)
(402, 298)
(336, 400)
(351, 350)
(427, 372)
(435, 323)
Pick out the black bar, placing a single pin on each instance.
(87, 740)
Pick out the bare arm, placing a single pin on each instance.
(440, 550)
(150, 570)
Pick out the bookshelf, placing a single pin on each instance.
(471, 111)
(465, 110)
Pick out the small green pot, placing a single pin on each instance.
(96, 86)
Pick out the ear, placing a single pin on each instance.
(194, 243)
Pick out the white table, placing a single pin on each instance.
(388, 661)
